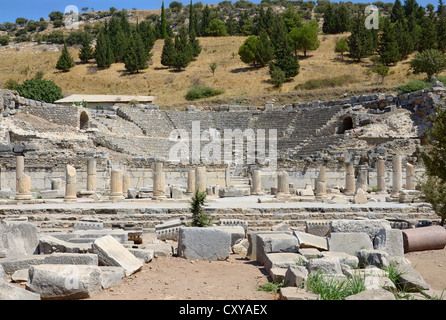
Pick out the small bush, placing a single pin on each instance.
(325, 83)
(414, 85)
(334, 288)
(199, 92)
(40, 90)
(200, 218)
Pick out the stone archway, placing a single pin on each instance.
(347, 124)
(84, 121)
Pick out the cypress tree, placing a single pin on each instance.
(103, 53)
(329, 25)
(441, 26)
(205, 21)
(404, 39)
(65, 62)
(388, 46)
(265, 49)
(163, 26)
(428, 35)
(86, 52)
(195, 43)
(361, 39)
(168, 53)
(398, 13)
(183, 50)
(136, 55)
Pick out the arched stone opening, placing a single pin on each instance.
(84, 121)
(347, 124)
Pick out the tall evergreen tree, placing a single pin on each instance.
(360, 40)
(428, 36)
(183, 50)
(441, 26)
(284, 58)
(136, 55)
(329, 25)
(163, 25)
(103, 52)
(205, 21)
(388, 46)
(398, 13)
(86, 53)
(404, 39)
(195, 43)
(168, 53)
(65, 61)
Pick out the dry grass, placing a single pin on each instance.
(236, 78)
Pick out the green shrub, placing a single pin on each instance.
(201, 92)
(334, 288)
(200, 218)
(414, 85)
(41, 90)
(325, 83)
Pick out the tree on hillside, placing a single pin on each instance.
(342, 47)
(398, 13)
(40, 90)
(163, 25)
(428, 36)
(86, 53)
(103, 52)
(305, 38)
(183, 50)
(441, 26)
(404, 39)
(431, 62)
(360, 40)
(65, 61)
(257, 50)
(388, 49)
(136, 56)
(168, 53)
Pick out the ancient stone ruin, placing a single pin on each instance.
(332, 185)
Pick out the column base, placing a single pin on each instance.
(23, 196)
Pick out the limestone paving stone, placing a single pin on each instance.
(283, 260)
(11, 292)
(307, 240)
(349, 242)
(274, 243)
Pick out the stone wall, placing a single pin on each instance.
(11, 103)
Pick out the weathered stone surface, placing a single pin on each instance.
(391, 241)
(370, 226)
(111, 276)
(18, 239)
(293, 293)
(375, 294)
(88, 224)
(145, 255)
(277, 274)
(349, 242)
(410, 279)
(11, 265)
(49, 244)
(237, 232)
(337, 199)
(3, 277)
(64, 281)
(324, 265)
(204, 244)
(10, 292)
(376, 282)
(343, 258)
(20, 276)
(241, 247)
(283, 260)
(161, 249)
(111, 253)
(307, 240)
(296, 276)
(275, 242)
(231, 192)
(373, 257)
(360, 197)
(310, 253)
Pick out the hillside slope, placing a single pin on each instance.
(22, 61)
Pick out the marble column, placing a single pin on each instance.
(191, 181)
(70, 185)
(350, 183)
(23, 181)
(91, 174)
(200, 179)
(362, 181)
(116, 185)
(257, 183)
(321, 185)
(381, 175)
(125, 184)
(397, 176)
(410, 177)
(159, 182)
(283, 185)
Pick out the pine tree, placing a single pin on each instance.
(404, 39)
(428, 36)
(304, 38)
(183, 50)
(342, 47)
(136, 55)
(205, 21)
(195, 43)
(441, 26)
(65, 62)
(86, 52)
(265, 49)
(361, 39)
(342, 19)
(168, 53)
(329, 25)
(388, 46)
(103, 53)
(398, 13)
